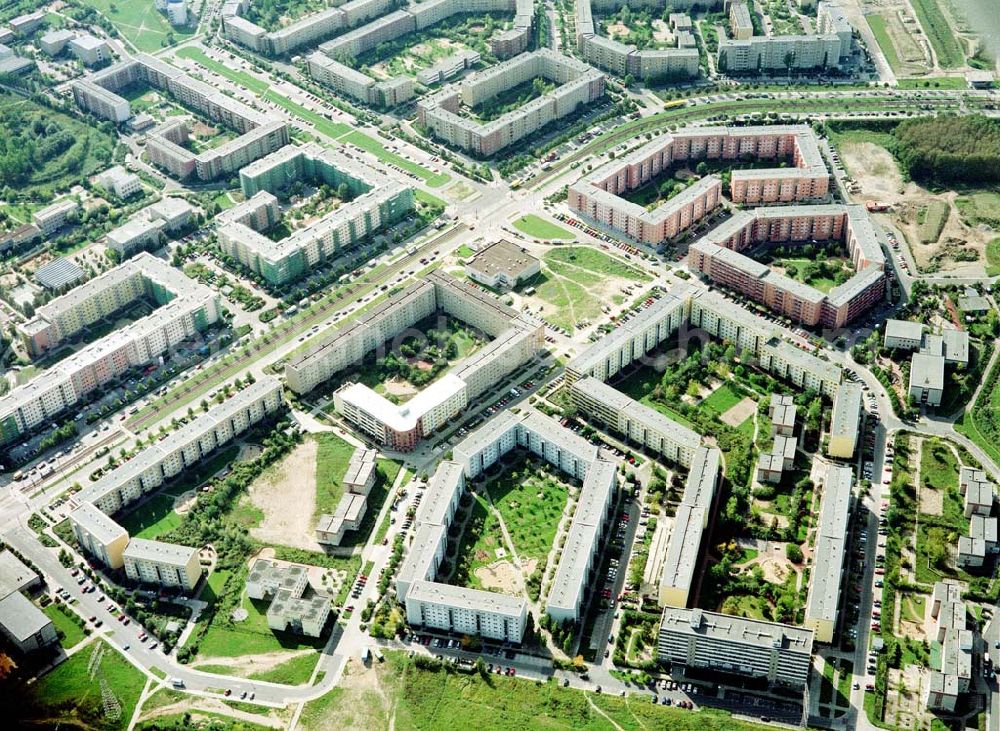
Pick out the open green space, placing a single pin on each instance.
(938, 465)
(979, 208)
(934, 82)
(932, 220)
(641, 384)
(936, 534)
(479, 545)
(939, 33)
(878, 25)
(531, 500)
(154, 518)
(44, 152)
(721, 399)
(407, 698)
(62, 618)
(141, 23)
(252, 636)
(276, 14)
(567, 302)
(823, 274)
(993, 257)
(70, 696)
(512, 98)
(981, 421)
(592, 260)
(539, 228)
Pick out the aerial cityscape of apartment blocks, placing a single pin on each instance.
(441, 114)
(377, 201)
(828, 48)
(597, 195)
(823, 603)
(700, 640)
(260, 133)
(333, 63)
(492, 615)
(716, 255)
(157, 562)
(186, 309)
(516, 337)
(623, 59)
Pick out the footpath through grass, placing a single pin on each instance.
(334, 130)
(405, 697)
(141, 23)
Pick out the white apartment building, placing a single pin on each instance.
(162, 564)
(464, 611)
(845, 422)
(118, 181)
(822, 605)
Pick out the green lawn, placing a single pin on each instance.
(532, 225)
(567, 258)
(332, 457)
(568, 301)
(993, 257)
(721, 399)
(938, 465)
(251, 636)
(479, 544)
(72, 632)
(530, 502)
(939, 33)
(640, 384)
(141, 23)
(979, 208)
(296, 671)
(934, 220)
(152, 519)
(878, 26)
(934, 82)
(68, 696)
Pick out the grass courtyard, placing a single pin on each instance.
(481, 544)
(530, 500)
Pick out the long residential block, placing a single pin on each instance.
(598, 195)
(441, 114)
(186, 309)
(823, 603)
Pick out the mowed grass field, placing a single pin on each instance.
(932, 20)
(72, 632)
(721, 399)
(539, 228)
(595, 261)
(140, 23)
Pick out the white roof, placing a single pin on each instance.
(402, 417)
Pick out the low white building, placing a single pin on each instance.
(119, 181)
(502, 265)
(90, 50)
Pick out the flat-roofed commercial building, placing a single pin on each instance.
(162, 564)
(24, 625)
(573, 576)
(53, 217)
(693, 639)
(845, 422)
(502, 265)
(823, 603)
(597, 195)
(903, 334)
(99, 535)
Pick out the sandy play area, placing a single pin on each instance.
(501, 575)
(292, 482)
(739, 413)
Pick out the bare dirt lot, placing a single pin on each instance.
(878, 176)
(292, 482)
(739, 413)
(501, 575)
